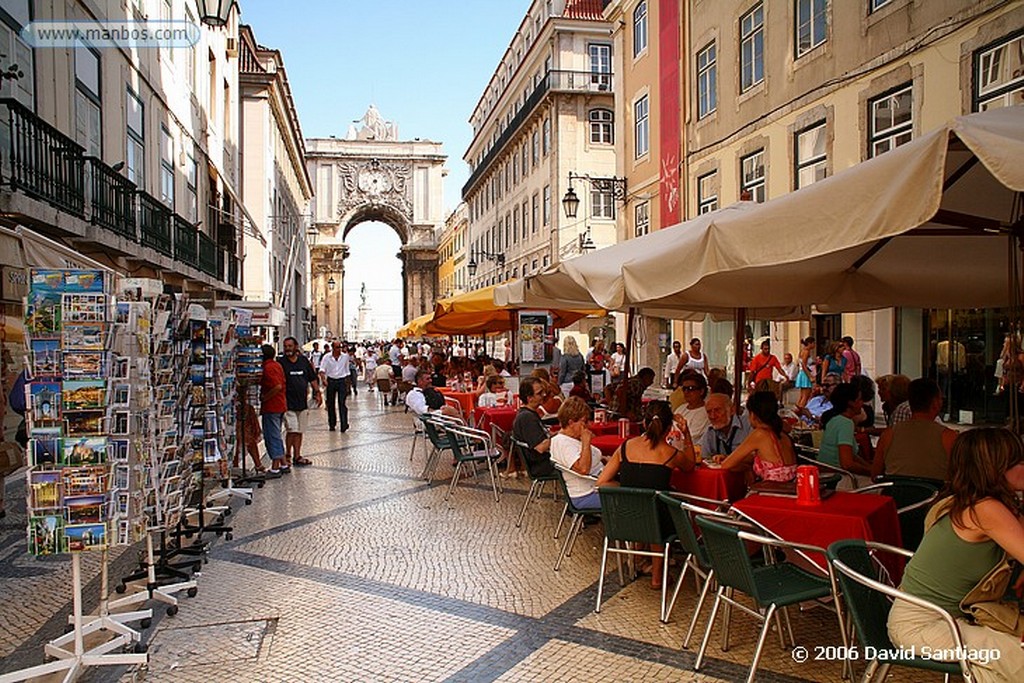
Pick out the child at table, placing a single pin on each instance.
(496, 395)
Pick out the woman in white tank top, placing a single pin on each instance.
(696, 359)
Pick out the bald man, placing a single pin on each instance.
(725, 430)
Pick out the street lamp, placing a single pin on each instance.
(570, 203)
(215, 12)
(312, 234)
(615, 185)
(331, 284)
(472, 265)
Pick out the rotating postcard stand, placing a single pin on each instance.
(248, 374)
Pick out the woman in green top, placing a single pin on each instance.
(986, 470)
(838, 443)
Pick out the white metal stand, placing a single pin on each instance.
(228, 492)
(74, 660)
(106, 605)
(153, 591)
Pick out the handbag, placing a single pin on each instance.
(985, 604)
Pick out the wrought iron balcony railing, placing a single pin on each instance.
(112, 201)
(186, 242)
(207, 255)
(154, 224)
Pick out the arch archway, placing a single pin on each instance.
(396, 183)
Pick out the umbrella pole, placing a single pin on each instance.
(630, 321)
(514, 326)
(739, 343)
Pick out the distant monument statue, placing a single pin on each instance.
(374, 127)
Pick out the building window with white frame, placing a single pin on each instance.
(602, 204)
(166, 167)
(546, 136)
(18, 52)
(135, 140)
(811, 25)
(811, 155)
(535, 147)
(191, 173)
(639, 29)
(876, 5)
(641, 127)
(526, 159)
(534, 213)
(600, 65)
(890, 120)
(546, 208)
(752, 48)
(526, 215)
(999, 74)
(641, 219)
(707, 77)
(707, 192)
(88, 104)
(602, 126)
(752, 185)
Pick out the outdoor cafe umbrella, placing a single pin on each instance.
(476, 312)
(416, 327)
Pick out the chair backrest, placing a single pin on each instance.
(631, 514)
(436, 432)
(682, 514)
(727, 554)
(869, 608)
(384, 385)
(454, 403)
(560, 471)
(465, 440)
(810, 456)
(913, 498)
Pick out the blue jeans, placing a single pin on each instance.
(272, 423)
(591, 501)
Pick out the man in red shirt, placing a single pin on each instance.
(272, 407)
(762, 365)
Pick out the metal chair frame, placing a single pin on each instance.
(434, 430)
(809, 455)
(464, 437)
(576, 523)
(536, 482)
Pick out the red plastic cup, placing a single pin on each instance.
(623, 428)
(807, 491)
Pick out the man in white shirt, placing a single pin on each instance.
(335, 369)
(416, 399)
(789, 369)
(573, 453)
(671, 363)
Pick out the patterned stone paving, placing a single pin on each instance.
(355, 569)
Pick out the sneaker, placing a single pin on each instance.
(286, 469)
(274, 472)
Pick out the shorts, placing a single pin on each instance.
(803, 381)
(272, 435)
(295, 421)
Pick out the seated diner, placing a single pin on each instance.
(767, 450)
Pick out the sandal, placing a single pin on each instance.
(302, 462)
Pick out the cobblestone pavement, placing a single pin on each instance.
(355, 569)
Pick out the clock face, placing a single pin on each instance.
(374, 182)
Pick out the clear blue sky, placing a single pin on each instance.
(424, 63)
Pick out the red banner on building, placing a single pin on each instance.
(670, 111)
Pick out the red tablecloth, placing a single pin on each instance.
(607, 443)
(465, 398)
(612, 427)
(708, 482)
(501, 417)
(842, 515)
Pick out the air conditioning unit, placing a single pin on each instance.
(232, 48)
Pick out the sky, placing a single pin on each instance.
(423, 63)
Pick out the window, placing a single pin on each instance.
(88, 105)
(533, 214)
(602, 204)
(535, 147)
(508, 228)
(18, 52)
(515, 170)
(546, 136)
(707, 193)
(810, 155)
(515, 226)
(641, 132)
(526, 215)
(166, 167)
(879, 4)
(642, 219)
(135, 157)
(191, 171)
(600, 65)
(707, 74)
(811, 25)
(752, 177)
(601, 126)
(891, 119)
(547, 205)
(999, 75)
(639, 29)
(752, 48)
(167, 14)
(526, 159)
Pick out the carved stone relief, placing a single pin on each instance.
(377, 184)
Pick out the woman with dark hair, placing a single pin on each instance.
(767, 450)
(688, 401)
(805, 375)
(838, 443)
(966, 536)
(651, 459)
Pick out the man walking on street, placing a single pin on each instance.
(272, 407)
(299, 377)
(334, 372)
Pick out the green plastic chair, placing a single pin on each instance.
(537, 481)
(772, 586)
(576, 519)
(632, 517)
(869, 601)
(435, 431)
(913, 498)
(682, 510)
(471, 447)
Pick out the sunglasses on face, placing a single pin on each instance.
(691, 388)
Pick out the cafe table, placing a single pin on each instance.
(466, 399)
(710, 482)
(607, 443)
(500, 417)
(842, 515)
(612, 427)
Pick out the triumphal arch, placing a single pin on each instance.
(372, 175)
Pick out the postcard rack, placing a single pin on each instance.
(73, 499)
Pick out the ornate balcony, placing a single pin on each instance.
(155, 224)
(208, 253)
(186, 242)
(113, 200)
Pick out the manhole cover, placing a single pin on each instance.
(204, 644)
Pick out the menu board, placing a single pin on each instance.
(534, 336)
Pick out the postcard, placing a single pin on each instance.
(46, 535)
(85, 509)
(85, 422)
(81, 481)
(121, 395)
(45, 452)
(120, 422)
(82, 364)
(85, 394)
(45, 357)
(44, 490)
(210, 422)
(211, 450)
(85, 336)
(83, 281)
(47, 280)
(118, 450)
(86, 536)
(84, 308)
(45, 400)
(85, 451)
